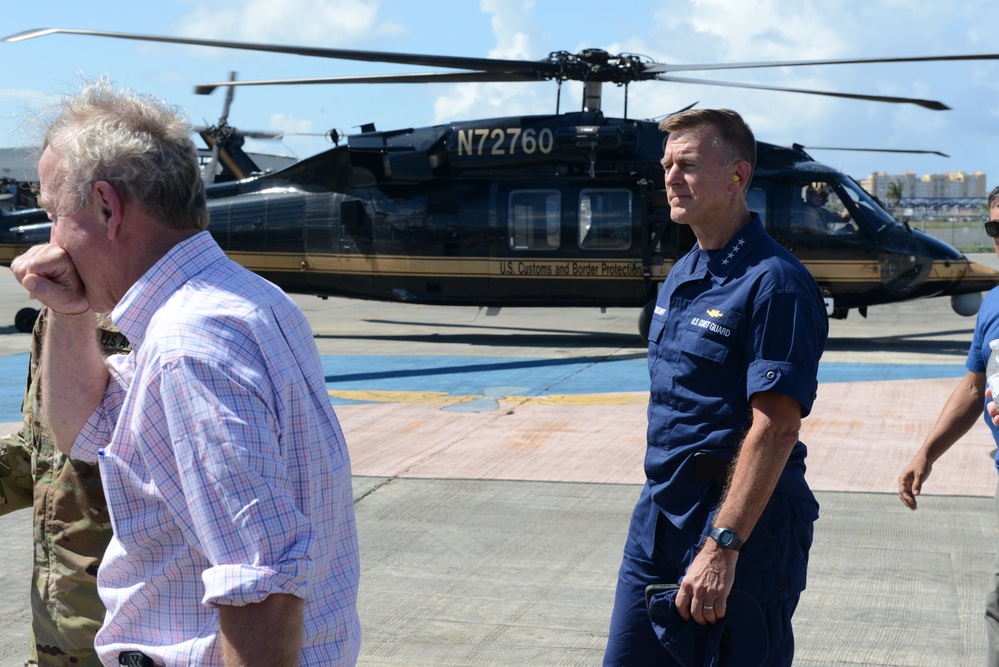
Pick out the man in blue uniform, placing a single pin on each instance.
(959, 414)
(734, 349)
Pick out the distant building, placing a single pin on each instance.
(948, 185)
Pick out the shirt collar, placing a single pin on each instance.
(185, 260)
(738, 248)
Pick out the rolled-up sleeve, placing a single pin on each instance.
(788, 338)
(224, 476)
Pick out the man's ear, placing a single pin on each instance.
(108, 207)
(742, 173)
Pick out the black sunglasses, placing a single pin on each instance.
(992, 228)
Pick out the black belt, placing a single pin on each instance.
(710, 468)
(135, 659)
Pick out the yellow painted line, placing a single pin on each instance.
(440, 397)
(378, 396)
(579, 399)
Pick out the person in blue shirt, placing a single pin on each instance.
(734, 347)
(959, 414)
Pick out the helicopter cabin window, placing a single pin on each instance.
(605, 219)
(818, 207)
(535, 219)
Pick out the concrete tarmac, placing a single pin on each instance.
(497, 461)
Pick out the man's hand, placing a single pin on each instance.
(991, 406)
(48, 274)
(706, 586)
(910, 482)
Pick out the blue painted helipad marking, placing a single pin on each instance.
(13, 370)
(471, 375)
(480, 376)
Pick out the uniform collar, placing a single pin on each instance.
(724, 262)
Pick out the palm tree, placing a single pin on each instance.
(895, 193)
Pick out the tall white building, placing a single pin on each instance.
(949, 184)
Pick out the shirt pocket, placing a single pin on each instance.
(710, 374)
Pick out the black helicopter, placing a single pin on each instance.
(550, 210)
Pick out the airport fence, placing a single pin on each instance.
(967, 235)
(960, 226)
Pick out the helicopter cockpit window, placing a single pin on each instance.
(819, 208)
(604, 219)
(535, 220)
(870, 208)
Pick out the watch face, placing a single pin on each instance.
(727, 538)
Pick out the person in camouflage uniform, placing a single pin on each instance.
(71, 526)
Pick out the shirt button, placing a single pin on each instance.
(771, 375)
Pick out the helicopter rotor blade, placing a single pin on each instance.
(210, 171)
(452, 62)
(928, 104)
(250, 134)
(416, 77)
(541, 67)
(872, 150)
(663, 68)
(588, 65)
(228, 100)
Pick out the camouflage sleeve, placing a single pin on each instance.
(16, 479)
(16, 482)
(17, 450)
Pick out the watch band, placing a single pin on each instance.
(726, 538)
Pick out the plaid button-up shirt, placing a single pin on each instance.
(227, 475)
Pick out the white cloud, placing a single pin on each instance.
(516, 36)
(512, 26)
(298, 136)
(319, 22)
(290, 125)
(20, 95)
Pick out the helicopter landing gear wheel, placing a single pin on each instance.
(645, 320)
(24, 320)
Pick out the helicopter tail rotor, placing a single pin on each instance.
(219, 134)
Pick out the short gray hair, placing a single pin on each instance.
(735, 139)
(140, 145)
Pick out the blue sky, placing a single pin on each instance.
(37, 72)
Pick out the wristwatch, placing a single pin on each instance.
(727, 539)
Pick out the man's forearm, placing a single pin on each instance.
(267, 633)
(74, 376)
(761, 460)
(959, 414)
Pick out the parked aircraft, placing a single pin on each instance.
(554, 210)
